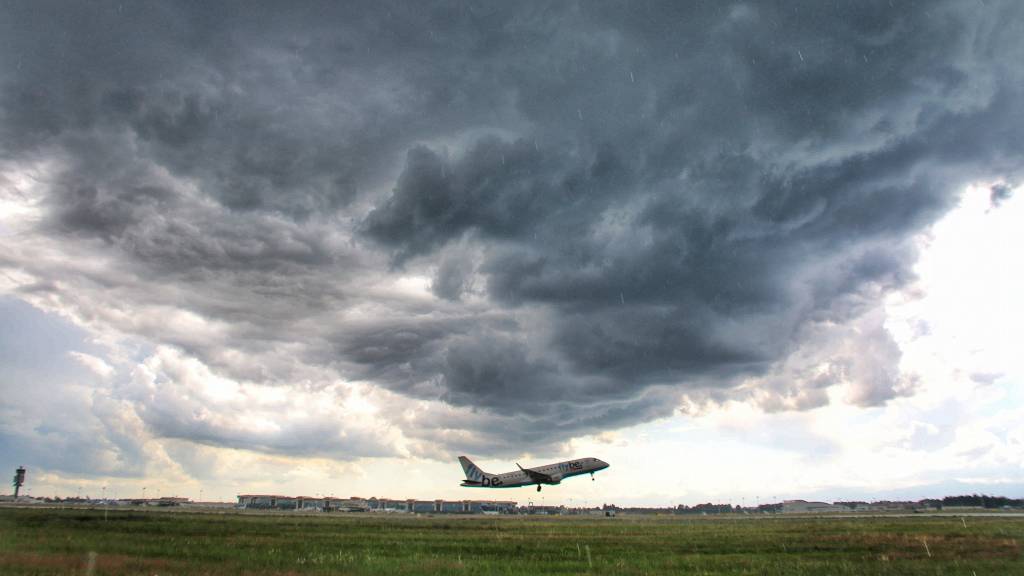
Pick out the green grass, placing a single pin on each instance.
(37, 541)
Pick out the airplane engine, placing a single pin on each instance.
(556, 478)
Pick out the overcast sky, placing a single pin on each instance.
(731, 248)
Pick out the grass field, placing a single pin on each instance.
(38, 541)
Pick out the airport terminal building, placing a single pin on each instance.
(805, 507)
(385, 505)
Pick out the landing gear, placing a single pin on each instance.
(538, 487)
(591, 476)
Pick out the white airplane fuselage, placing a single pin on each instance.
(548, 474)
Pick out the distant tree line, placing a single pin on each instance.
(973, 500)
(706, 508)
(976, 501)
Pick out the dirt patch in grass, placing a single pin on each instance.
(77, 563)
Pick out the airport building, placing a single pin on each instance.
(309, 503)
(545, 510)
(383, 505)
(803, 506)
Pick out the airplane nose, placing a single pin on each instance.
(603, 464)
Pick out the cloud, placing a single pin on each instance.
(180, 398)
(520, 224)
(97, 365)
(999, 194)
(455, 277)
(59, 408)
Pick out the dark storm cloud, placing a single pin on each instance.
(670, 250)
(615, 203)
(497, 188)
(454, 277)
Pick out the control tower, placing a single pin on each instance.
(19, 479)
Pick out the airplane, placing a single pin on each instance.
(549, 474)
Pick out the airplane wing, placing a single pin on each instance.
(536, 476)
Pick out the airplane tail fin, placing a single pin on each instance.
(473, 473)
